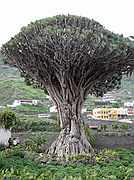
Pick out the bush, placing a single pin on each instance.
(35, 142)
(15, 151)
(36, 125)
(2, 147)
(103, 127)
(124, 127)
(8, 119)
(89, 134)
(115, 126)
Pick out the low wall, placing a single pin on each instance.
(113, 140)
(109, 123)
(102, 140)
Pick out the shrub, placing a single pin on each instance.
(34, 125)
(103, 127)
(35, 142)
(115, 126)
(89, 134)
(124, 127)
(2, 146)
(8, 119)
(15, 151)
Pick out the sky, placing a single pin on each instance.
(115, 15)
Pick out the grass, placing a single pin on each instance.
(34, 108)
(12, 86)
(11, 90)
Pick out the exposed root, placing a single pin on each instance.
(67, 145)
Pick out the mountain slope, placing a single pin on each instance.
(12, 86)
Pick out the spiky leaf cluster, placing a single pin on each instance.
(79, 50)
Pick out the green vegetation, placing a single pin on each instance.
(29, 124)
(12, 86)
(89, 134)
(8, 119)
(103, 127)
(11, 89)
(34, 108)
(36, 143)
(107, 164)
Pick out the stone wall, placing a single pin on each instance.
(102, 140)
(108, 123)
(113, 140)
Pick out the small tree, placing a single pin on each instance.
(71, 57)
(8, 119)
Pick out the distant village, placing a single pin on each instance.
(103, 113)
(122, 114)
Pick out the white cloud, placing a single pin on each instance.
(115, 15)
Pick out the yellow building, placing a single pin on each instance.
(105, 113)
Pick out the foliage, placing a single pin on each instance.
(103, 127)
(32, 108)
(36, 124)
(79, 156)
(89, 134)
(91, 43)
(2, 146)
(115, 126)
(35, 142)
(8, 119)
(124, 127)
(120, 166)
(115, 105)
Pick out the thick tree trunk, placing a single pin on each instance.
(71, 140)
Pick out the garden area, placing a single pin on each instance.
(29, 159)
(21, 163)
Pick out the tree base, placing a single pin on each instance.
(67, 144)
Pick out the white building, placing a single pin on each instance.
(4, 135)
(49, 98)
(53, 109)
(44, 115)
(108, 98)
(122, 111)
(1, 107)
(24, 102)
(84, 110)
(129, 104)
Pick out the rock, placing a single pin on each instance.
(44, 161)
(83, 161)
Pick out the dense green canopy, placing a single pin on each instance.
(90, 56)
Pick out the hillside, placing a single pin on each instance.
(12, 87)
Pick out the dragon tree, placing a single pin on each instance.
(71, 57)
